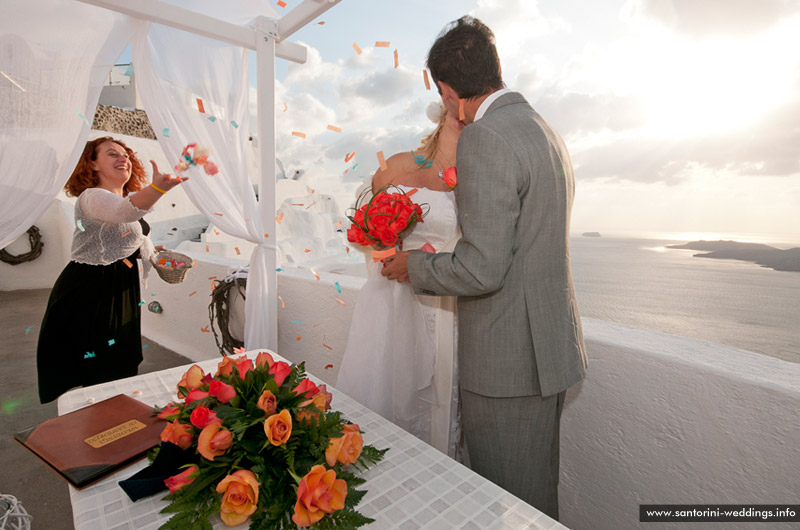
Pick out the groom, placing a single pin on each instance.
(520, 338)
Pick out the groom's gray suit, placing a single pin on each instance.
(518, 322)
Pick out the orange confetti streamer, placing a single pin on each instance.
(128, 263)
(194, 263)
(212, 285)
(205, 329)
(299, 337)
(207, 248)
(321, 22)
(340, 301)
(356, 48)
(315, 273)
(348, 158)
(425, 78)
(461, 109)
(315, 325)
(266, 236)
(212, 277)
(281, 3)
(200, 106)
(298, 134)
(193, 293)
(339, 224)
(285, 107)
(334, 128)
(279, 218)
(215, 230)
(327, 366)
(382, 160)
(283, 305)
(215, 213)
(238, 252)
(308, 250)
(396, 59)
(381, 44)
(126, 234)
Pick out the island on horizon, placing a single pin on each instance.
(591, 234)
(764, 255)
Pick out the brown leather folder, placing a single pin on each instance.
(87, 444)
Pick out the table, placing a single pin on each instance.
(414, 487)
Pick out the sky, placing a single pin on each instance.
(681, 116)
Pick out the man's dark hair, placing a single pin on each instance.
(465, 57)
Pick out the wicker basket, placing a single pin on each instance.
(171, 266)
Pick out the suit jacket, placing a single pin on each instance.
(519, 325)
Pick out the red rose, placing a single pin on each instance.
(280, 370)
(222, 391)
(202, 416)
(450, 177)
(306, 388)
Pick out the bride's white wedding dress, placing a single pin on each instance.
(400, 359)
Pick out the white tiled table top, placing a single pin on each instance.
(413, 487)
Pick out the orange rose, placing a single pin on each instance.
(319, 492)
(213, 440)
(192, 379)
(347, 448)
(264, 359)
(278, 427)
(311, 408)
(178, 434)
(240, 497)
(180, 480)
(170, 412)
(268, 403)
(243, 365)
(225, 367)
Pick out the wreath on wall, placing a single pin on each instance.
(219, 312)
(35, 240)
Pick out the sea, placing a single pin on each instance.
(640, 282)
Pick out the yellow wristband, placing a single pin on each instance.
(158, 189)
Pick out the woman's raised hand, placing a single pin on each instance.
(165, 181)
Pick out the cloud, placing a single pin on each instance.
(575, 113)
(710, 18)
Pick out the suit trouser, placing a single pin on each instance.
(514, 442)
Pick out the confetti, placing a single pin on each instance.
(238, 252)
(297, 321)
(299, 337)
(285, 107)
(412, 192)
(212, 119)
(338, 287)
(89, 355)
(141, 303)
(315, 325)
(128, 263)
(354, 167)
(165, 132)
(321, 23)
(348, 158)
(279, 218)
(328, 366)
(281, 3)
(381, 44)
(339, 224)
(382, 160)
(111, 342)
(283, 304)
(356, 48)
(340, 301)
(310, 205)
(137, 392)
(266, 236)
(216, 232)
(207, 248)
(126, 234)
(235, 125)
(80, 114)
(200, 106)
(238, 350)
(396, 59)
(298, 134)
(315, 273)
(145, 346)
(461, 109)
(278, 269)
(215, 213)
(205, 329)
(334, 128)
(193, 293)
(28, 329)
(212, 277)
(425, 78)
(308, 250)
(128, 71)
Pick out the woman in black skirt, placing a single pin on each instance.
(91, 331)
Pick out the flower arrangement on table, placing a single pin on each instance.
(265, 446)
(381, 219)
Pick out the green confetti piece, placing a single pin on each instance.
(278, 269)
(129, 71)
(355, 166)
(28, 329)
(338, 288)
(212, 119)
(165, 132)
(111, 342)
(144, 347)
(89, 355)
(141, 303)
(235, 125)
(10, 406)
(80, 225)
(83, 118)
(297, 321)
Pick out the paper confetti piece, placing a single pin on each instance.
(315, 325)
(128, 71)
(348, 158)
(205, 329)
(310, 205)
(297, 321)
(283, 305)
(328, 366)
(207, 248)
(321, 22)
(236, 349)
(381, 44)
(298, 134)
(278, 269)
(216, 232)
(356, 48)
(396, 59)
(80, 114)
(137, 392)
(314, 273)
(307, 250)
(28, 329)
(334, 128)
(354, 167)
(89, 355)
(212, 277)
(382, 160)
(299, 337)
(266, 236)
(285, 107)
(212, 119)
(128, 263)
(200, 106)
(340, 301)
(281, 3)
(425, 78)
(165, 132)
(126, 234)
(141, 303)
(215, 213)
(279, 218)
(238, 252)
(111, 342)
(235, 125)
(193, 293)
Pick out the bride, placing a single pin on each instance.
(400, 359)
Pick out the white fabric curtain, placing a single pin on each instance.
(177, 75)
(55, 56)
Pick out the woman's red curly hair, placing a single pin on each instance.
(83, 177)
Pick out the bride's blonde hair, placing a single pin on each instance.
(437, 113)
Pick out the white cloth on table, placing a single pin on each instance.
(400, 359)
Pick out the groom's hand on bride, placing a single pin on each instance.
(395, 267)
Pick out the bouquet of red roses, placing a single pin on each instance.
(381, 219)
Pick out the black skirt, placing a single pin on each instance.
(91, 331)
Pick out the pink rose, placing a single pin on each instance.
(194, 395)
(180, 480)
